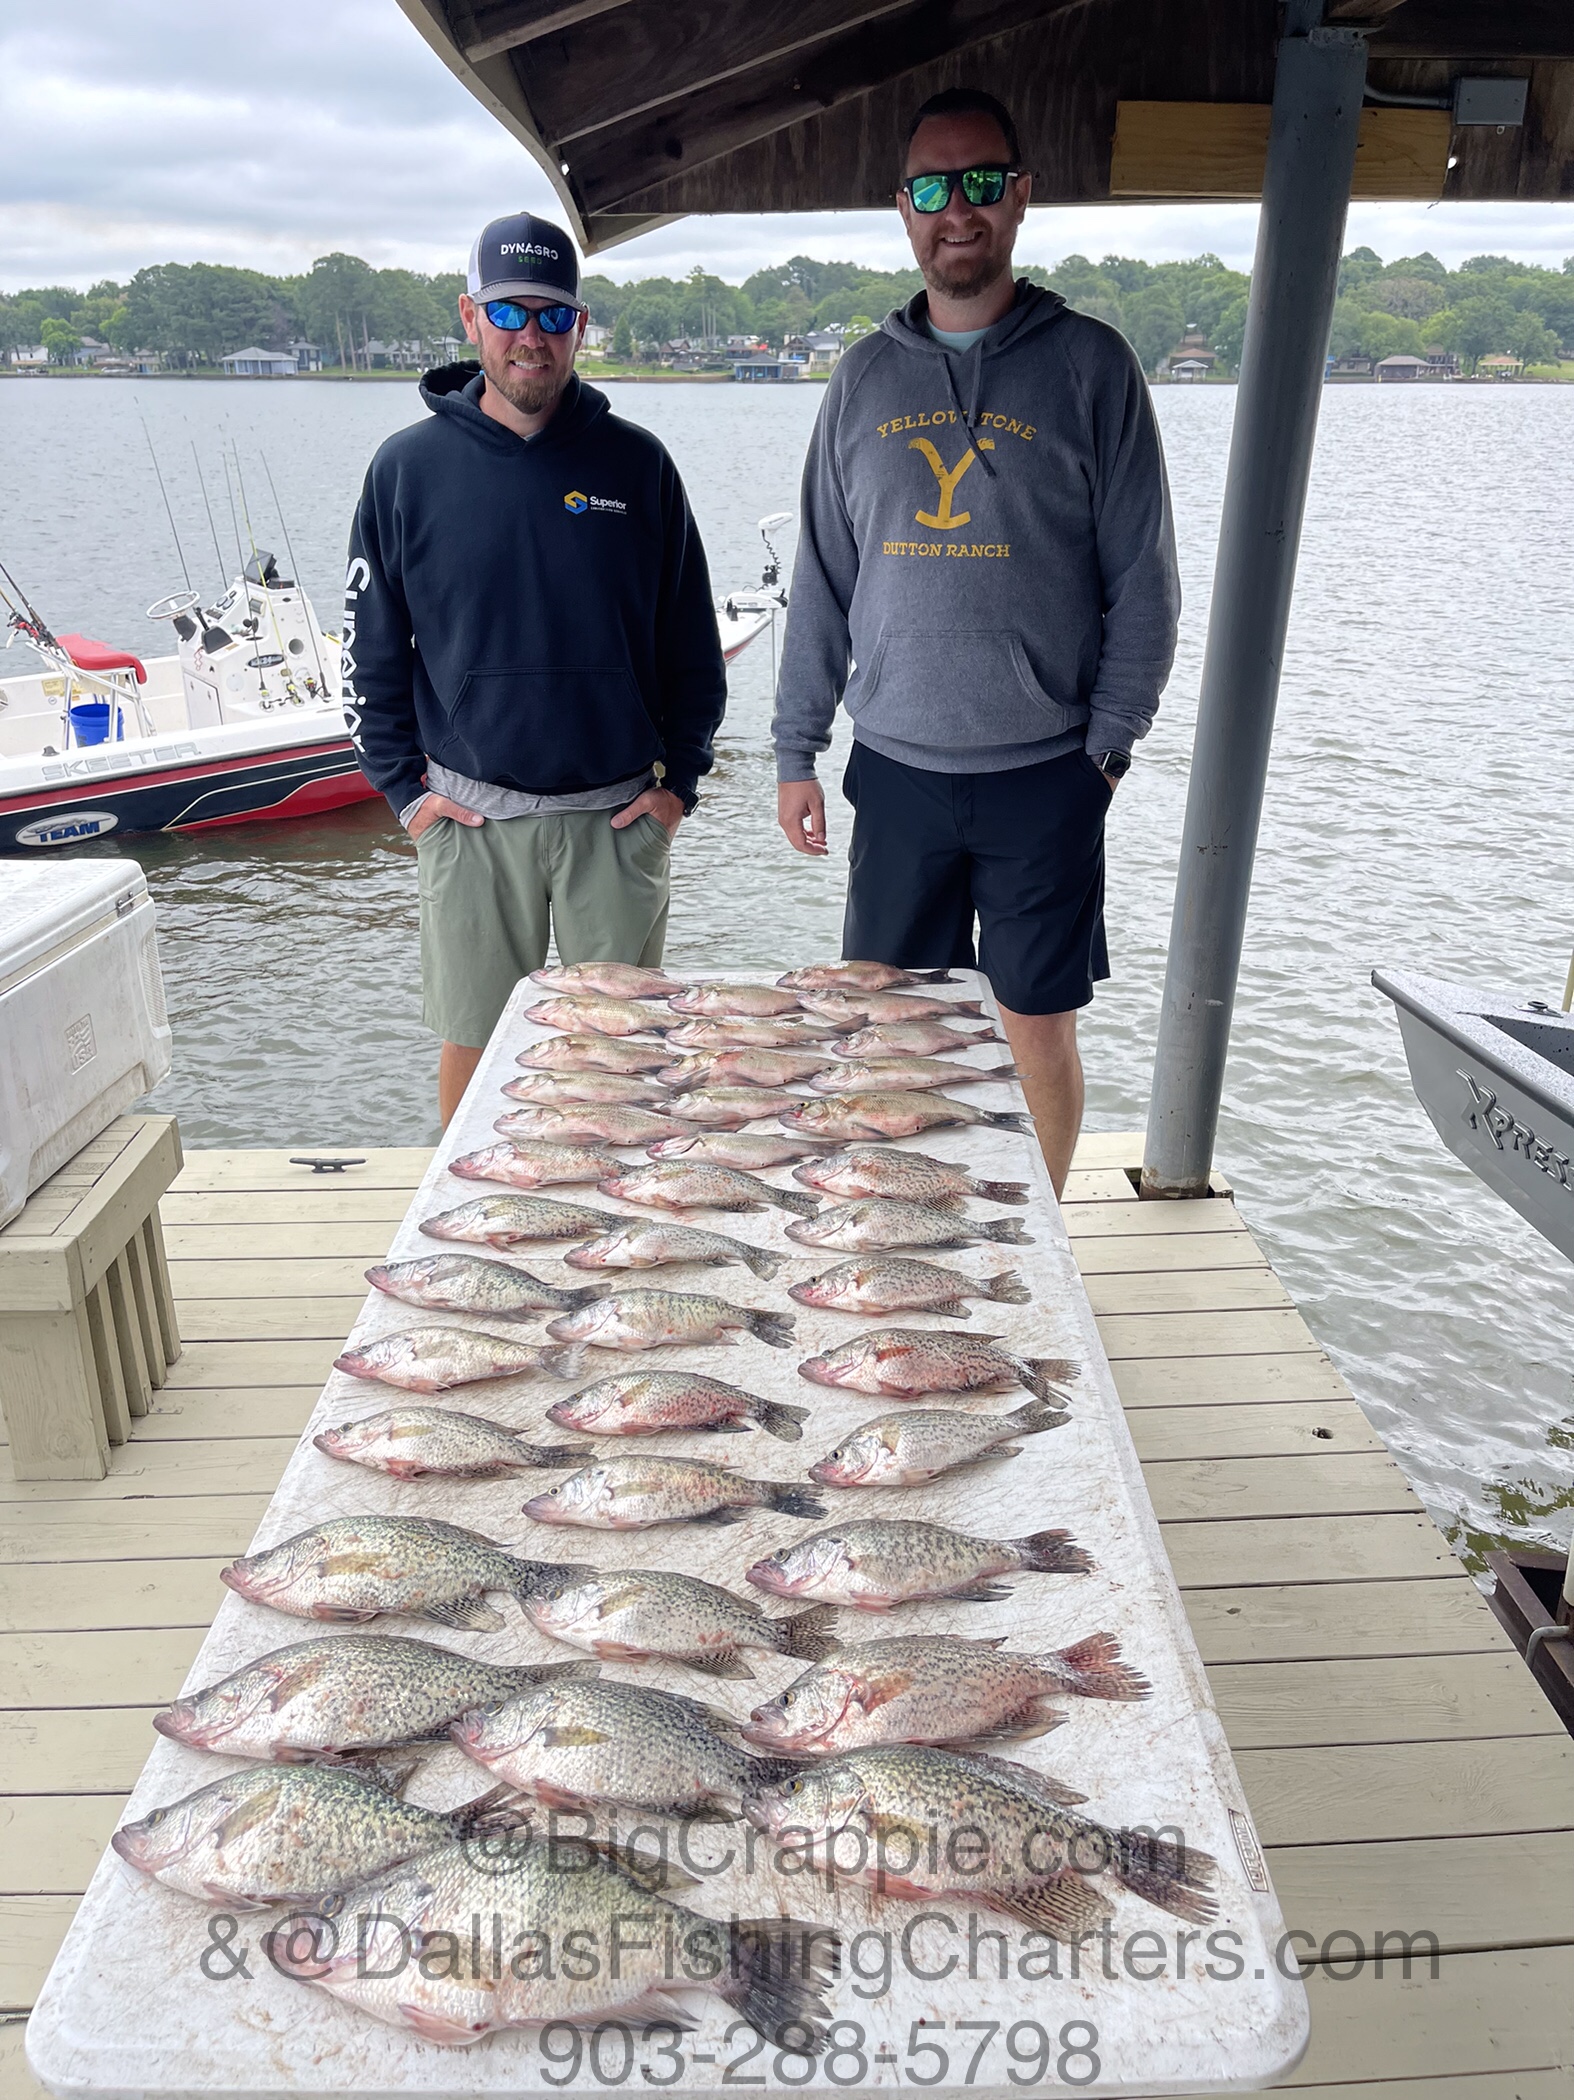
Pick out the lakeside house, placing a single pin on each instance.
(1193, 358)
(28, 357)
(307, 356)
(1403, 367)
(1499, 365)
(1186, 371)
(756, 371)
(253, 363)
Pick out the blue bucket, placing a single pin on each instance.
(90, 721)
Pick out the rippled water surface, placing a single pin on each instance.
(1416, 815)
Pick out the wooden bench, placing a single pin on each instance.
(87, 1321)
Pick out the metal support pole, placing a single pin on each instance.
(1306, 190)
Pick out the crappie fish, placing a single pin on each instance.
(921, 1443)
(913, 1805)
(743, 1067)
(618, 1745)
(640, 1612)
(909, 1039)
(629, 1494)
(874, 1222)
(652, 1243)
(903, 1075)
(735, 1148)
(888, 1283)
(865, 1009)
(412, 1443)
(584, 1089)
(859, 977)
(907, 1362)
(874, 1563)
(668, 1319)
(676, 1185)
(592, 1053)
(537, 1899)
(354, 1568)
(347, 1696)
(891, 1115)
(468, 1283)
(532, 1163)
(288, 1833)
(499, 1221)
(612, 980)
(432, 1359)
(740, 1032)
(591, 1013)
(613, 1123)
(939, 1689)
(751, 1002)
(880, 1170)
(729, 1107)
(641, 1403)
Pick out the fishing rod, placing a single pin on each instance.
(240, 552)
(29, 620)
(208, 507)
(267, 595)
(322, 676)
(164, 492)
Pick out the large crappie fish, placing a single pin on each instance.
(418, 1443)
(885, 1170)
(434, 1359)
(638, 1612)
(875, 1563)
(469, 1283)
(629, 1494)
(901, 1363)
(643, 1403)
(919, 1444)
(889, 1283)
(668, 1319)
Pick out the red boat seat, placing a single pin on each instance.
(98, 656)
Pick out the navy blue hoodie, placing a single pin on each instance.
(535, 614)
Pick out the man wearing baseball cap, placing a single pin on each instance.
(533, 675)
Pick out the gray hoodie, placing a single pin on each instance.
(986, 567)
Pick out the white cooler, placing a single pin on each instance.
(83, 1031)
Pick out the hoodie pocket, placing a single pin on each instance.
(957, 689)
(549, 731)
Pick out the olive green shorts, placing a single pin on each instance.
(491, 894)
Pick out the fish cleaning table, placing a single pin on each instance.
(151, 1995)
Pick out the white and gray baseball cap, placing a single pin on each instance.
(523, 257)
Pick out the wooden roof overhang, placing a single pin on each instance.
(642, 111)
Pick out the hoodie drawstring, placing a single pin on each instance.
(969, 416)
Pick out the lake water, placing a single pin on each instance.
(1416, 815)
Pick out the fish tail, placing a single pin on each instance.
(566, 1361)
(782, 1422)
(791, 1499)
(1006, 1071)
(933, 977)
(1005, 1119)
(776, 1972)
(1177, 1877)
(1007, 1289)
(1033, 1417)
(1004, 1229)
(808, 1636)
(545, 1578)
(1094, 1669)
(774, 1328)
(585, 1295)
(1046, 1377)
(1052, 1553)
(789, 1199)
(500, 1808)
(549, 1455)
(1001, 1191)
(761, 1260)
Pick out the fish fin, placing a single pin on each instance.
(1004, 1119)
(1093, 1668)
(770, 1771)
(1001, 1191)
(586, 1295)
(775, 1973)
(727, 1428)
(1062, 1905)
(566, 1361)
(537, 1673)
(981, 1592)
(571, 1735)
(1177, 1878)
(1053, 1553)
(390, 1769)
(792, 1500)
(1006, 1231)
(1033, 1417)
(772, 1328)
(716, 1517)
(439, 2027)
(1031, 1719)
(763, 1262)
(779, 1420)
(808, 1635)
(789, 1199)
(1046, 1377)
(1006, 1289)
(466, 1615)
(500, 1808)
(1027, 1780)
(725, 1662)
(933, 977)
(549, 1455)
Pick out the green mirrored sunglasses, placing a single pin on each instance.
(932, 193)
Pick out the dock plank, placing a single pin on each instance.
(1349, 1483)
(58, 1670)
(1465, 1895)
(150, 1466)
(384, 1167)
(128, 1595)
(98, 1751)
(31, 1929)
(1210, 1334)
(202, 1526)
(212, 1364)
(270, 1319)
(1275, 1429)
(1319, 1622)
(1404, 1699)
(1211, 1290)
(1234, 1554)
(1371, 1792)
(1257, 1377)
(49, 1847)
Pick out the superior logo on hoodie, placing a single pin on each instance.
(578, 502)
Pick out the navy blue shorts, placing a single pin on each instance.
(1022, 851)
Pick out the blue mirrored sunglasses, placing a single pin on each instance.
(553, 320)
(980, 186)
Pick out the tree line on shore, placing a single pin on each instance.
(193, 314)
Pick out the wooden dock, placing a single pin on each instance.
(1405, 1773)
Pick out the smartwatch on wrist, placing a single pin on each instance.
(1117, 764)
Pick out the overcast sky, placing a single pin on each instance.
(179, 131)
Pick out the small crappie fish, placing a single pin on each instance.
(939, 1689)
(903, 1075)
(874, 1222)
(889, 1283)
(911, 1807)
(640, 1612)
(412, 1443)
(652, 1243)
(642, 1403)
(880, 1170)
(584, 1089)
(751, 1150)
(432, 1359)
(891, 1115)
(499, 1221)
(910, 1039)
(537, 1899)
(921, 1443)
(592, 1053)
(859, 977)
(284, 1834)
(739, 1032)
(714, 1002)
(345, 1696)
(612, 1123)
(356, 1568)
(591, 1013)
(635, 1747)
(903, 1363)
(630, 1494)
(676, 1185)
(668, 1319)
(532, 1163)
(874, 1563)
(761, 1068)
(865, 1009)
(729, 1107)
(468, 1283)
(612, 980)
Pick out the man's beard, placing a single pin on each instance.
(964, 278)
(528, 394)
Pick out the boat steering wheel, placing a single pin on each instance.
(174, 605)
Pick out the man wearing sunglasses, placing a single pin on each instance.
(986, 581)
(532, 668)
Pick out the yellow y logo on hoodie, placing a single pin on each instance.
(943, 518)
